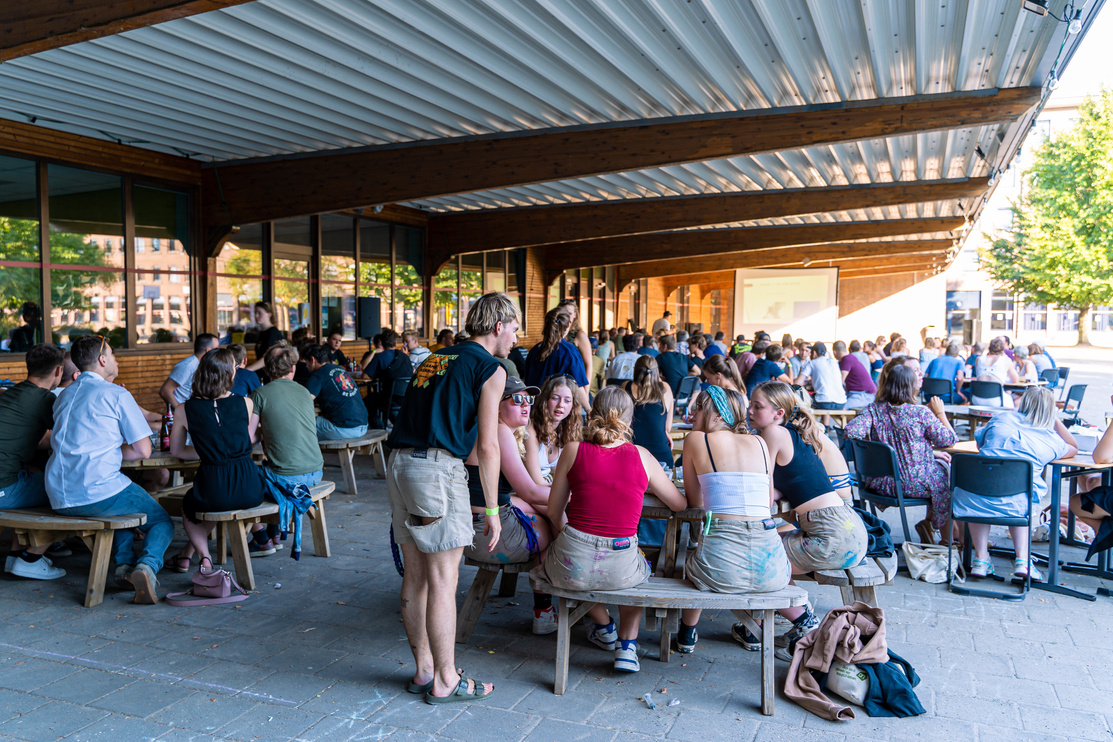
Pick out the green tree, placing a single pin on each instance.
(1061, 249)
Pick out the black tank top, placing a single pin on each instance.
(475, 488)
(804, 478)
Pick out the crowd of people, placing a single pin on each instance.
(542, 457)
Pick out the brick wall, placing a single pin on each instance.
(536, 296)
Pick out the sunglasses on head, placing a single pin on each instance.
(519, 399)
(103, 344)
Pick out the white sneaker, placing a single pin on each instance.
(626, 660)
(9, 562)
(545, 622)
(41, 569)
(604, 637)
(1022, 569)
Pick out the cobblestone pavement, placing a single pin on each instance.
(319, 654)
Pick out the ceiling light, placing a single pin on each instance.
(1075, 25)
(1052, 82)
(1039, 7)
(806, 262)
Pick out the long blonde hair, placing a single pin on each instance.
(611, 415)
(647, 377)
(798, 412)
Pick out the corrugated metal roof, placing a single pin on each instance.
(276, 77)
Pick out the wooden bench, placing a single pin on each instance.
(480, 590)
(39, 527)
(238, 524)
(859, 583)
(346, 449)
(664, 598)
(170, 498)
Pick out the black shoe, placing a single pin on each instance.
(687, 639)
(742, 635)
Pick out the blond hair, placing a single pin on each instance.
(798, 411)
(487, 311)
(612, 412)
(1038, 407)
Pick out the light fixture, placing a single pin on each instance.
(1052, 82)
(1039, 7)
(806, 262)
(1075, 25)
(992, 179)
(377, 208)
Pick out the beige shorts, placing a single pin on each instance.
(829, 538)
(739, 556)
(513, 545)
(429, 483)
(579, 561)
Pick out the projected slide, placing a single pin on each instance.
(803, 302)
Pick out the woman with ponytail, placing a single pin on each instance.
(728, 473)
(575, 334)
(653, 404)
(555, 356)
(831, 535)
(595, 504)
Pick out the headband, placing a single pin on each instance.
(722, 406)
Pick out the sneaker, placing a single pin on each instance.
(626, 657)
(1023, 569)
(981, 568)
(40, 569)
(9, 562)
(742, 635)
(782, 625)
(276, 542)
(784, 646)
(255, 549)
(146, 585)
(59, 549)
(122, 576)
(545, 622)
(603, 637)
(687, 639)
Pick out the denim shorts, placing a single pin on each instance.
(429, 483)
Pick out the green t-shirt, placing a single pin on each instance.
(289, 427)
(26, 413)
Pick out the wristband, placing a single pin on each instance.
(491, 511)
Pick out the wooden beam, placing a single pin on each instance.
(259, 189)
(33, 26)
(819, 254)
(540, 225)
(884, 270)
(36, 141)
(681, 246)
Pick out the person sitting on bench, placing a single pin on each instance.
(342, 412)
(602, 483)
(26, 417)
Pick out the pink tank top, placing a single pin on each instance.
(608, 488)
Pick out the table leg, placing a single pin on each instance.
(563, 633)
(1052, 584)
(98, 569)
(768, 691)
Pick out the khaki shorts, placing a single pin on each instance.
(579, 561)
(513, 545)
(829, 538)
(739, 556)
(429, 483)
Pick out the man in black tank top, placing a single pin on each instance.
(452, 402)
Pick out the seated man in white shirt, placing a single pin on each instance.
(622, 365)
(826, 380)
(411, 344)
(179, 386)
(97, 425)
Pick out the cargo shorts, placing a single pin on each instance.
(429, 483)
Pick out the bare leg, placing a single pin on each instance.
(690, 616)
(442, 572)
(629, 621)
(1093, 520)
(599, 615)
(979, 539)
(198, 534)
(414, 594)
(1020, 541)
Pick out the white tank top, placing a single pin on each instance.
(742, 493)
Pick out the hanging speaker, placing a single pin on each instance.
(370, 317)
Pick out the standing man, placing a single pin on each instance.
(662, 326)
(288, 427)
(411, 343)
(335, 355)
(826, 380)
(26, 417)
(857, 382)
(452, 407)
(178, 388)
(343, 414)
(97, 425)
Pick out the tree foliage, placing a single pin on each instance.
(1061, 249)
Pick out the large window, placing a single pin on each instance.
(374, 266)
(408, 279)
(471, 282)
(162, 219)
(1001, 311)
(1034, 317)
(338, 276)
(239, 280)
(21, 324)
(293, 247)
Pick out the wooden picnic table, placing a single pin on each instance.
(167, 460)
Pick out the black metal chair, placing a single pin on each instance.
(988, 390)
(942, 388)
(1072, 404)
(1051, 376)
(875, 460)
(992, 478)
(689, 386)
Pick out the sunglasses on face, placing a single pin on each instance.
(520, 399)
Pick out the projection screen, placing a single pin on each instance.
(800, 301)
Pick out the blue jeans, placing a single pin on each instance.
(159, 528)
(274, 482)
(858, 400)
(326, 431)
(828, 405)
(28, 491)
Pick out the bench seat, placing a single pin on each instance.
(664, 598)
(859, 583)
(370, 443)
(41, 526)
(480, 590)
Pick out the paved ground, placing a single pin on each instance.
(319, 654)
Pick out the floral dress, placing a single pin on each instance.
(913, 431)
